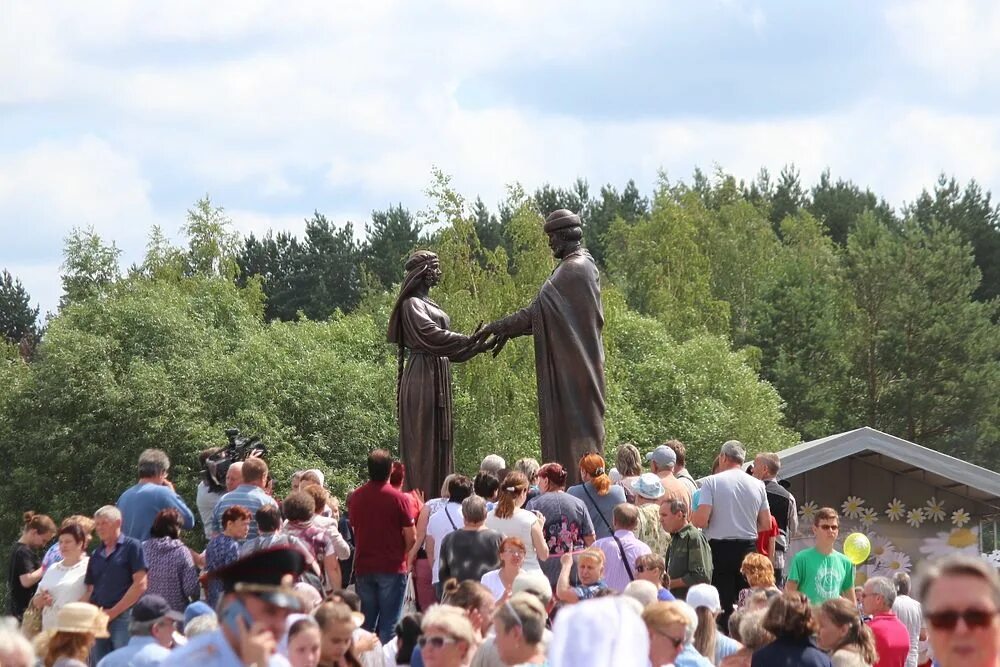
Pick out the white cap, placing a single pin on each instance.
(704, 595)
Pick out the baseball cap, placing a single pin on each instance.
(648, 485)
(662, 456)
(704, 595)
(196, 609)
(152, 607)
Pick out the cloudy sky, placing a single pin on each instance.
(120, 115)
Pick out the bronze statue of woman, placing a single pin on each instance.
(423, 385)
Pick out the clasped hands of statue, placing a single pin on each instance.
(493, 336)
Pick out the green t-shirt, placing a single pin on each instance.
(821, 577)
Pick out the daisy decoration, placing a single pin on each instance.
(881, 546)
(893, 562)
(895, 510)
(960, 517)
(852, 507)
(934, 509)
(868, 517)
(915, 517)
(808, 511)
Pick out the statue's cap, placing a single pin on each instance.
(561, 219)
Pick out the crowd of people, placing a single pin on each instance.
(517, 566)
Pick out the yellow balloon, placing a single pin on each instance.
(857, 547)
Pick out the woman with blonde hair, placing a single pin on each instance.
(68, 643)
(509, 519)
(449, 639)
(598, 494)
(758, 570)
(336, 626)
(520, 626)
(841, 633)
(670, 629)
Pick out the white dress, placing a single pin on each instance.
(65, 584)
(519, 525)
(492, 581)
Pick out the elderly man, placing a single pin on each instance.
(689, 558)
(152, 635)
(961, 599)
(622, 548)
(252, 612)
(472, 551)
(892, 641)
(115, 578)
(566, 320)
(782, 505)
(154, 492)
(910, 614)
(249, 494)
(732, 510)
(662, 461)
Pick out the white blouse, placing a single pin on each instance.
(65, 584)
(519, 525)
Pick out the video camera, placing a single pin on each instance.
(238, 449)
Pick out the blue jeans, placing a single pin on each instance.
(382, 602)
(118, 629)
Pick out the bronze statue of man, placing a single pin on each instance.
(566, 320)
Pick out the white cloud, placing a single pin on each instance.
(953, 40)
(299, 103)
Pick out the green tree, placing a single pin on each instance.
(801, 327)
(212, 244)
(18, 320)
(391, 236)
(661, 267)
(89, 267)
(925, 347)
(839, 205)
(972, 213)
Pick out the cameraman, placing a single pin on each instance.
(250, 494)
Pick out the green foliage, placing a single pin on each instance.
(212, 244)
(663, 269)
(89, 267)
(392, 235)
(18, 320)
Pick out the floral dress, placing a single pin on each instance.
(221, 551)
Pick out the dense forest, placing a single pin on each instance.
(768, 311)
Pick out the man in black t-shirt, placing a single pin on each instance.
(474, 550)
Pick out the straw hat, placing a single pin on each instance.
(82, 617)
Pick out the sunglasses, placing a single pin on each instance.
(826, 526)
(438, 642)
(947, 620)
(673, 640)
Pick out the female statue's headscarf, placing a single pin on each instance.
(416, 267)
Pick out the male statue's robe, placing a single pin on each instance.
(566, 320)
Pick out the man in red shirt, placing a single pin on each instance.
(383, 534)
(892, 640)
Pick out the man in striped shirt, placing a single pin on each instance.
(622, 548)
(250, 494)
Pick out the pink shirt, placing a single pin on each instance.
(892, 641)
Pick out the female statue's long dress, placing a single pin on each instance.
(425, 402)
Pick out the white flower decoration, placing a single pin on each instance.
(868, 517)
(957, 541)
(880, 546)
(934, 509)
(893, 562)
(808, 511)
(895, 510)
(852, 506)
(915, 517)
(960, 517)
